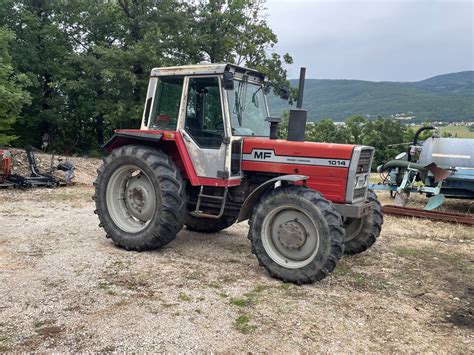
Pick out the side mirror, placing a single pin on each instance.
(228, 80)
(284, 92)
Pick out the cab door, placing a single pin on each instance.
(203, 127)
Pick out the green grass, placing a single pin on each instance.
(103, 285)
(214, 284)
(184, 297)
(240, 302)
(406, 252)
(242, 324)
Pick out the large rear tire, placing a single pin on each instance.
(208, 225)
(296, 234)
(140, 197)
(361, 233)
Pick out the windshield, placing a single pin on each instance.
(248, 110)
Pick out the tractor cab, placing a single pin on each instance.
(213, 107)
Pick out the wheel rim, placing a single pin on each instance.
(353, 226)
(131, 198)
(290, 237)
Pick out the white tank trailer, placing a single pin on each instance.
(414, 171)
(455, 155)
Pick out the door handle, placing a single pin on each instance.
(185, 136)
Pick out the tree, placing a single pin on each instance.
(12, 94)
(89, 60)
(39, 51)
(236, 32)
(327, 131)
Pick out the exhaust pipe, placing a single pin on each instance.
(298, 116)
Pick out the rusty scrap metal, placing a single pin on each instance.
(439, 173)
(439, 216)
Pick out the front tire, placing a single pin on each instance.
(140, 197)
(296, 234)
(361, 233)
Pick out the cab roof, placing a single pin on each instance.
(206, 69)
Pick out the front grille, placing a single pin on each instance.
(364, 161)
(359, 173)
(363, 172)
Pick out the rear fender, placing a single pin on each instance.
(125, 138)
(251, 200)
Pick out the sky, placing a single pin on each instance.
(377, 40)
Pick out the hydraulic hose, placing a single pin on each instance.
(401, 164)
(415, 139)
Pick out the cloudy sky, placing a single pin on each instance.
(397, 40)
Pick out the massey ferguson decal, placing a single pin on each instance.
(268, 155)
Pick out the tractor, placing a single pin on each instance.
(207, 156)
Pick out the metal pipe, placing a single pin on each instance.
(299, 100)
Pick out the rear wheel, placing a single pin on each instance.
(208, 225)
(140, 197)
(296, 234)
(361, 233)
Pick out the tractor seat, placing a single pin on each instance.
(162, 118)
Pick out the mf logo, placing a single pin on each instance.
(262, 154)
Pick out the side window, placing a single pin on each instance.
(204, 120)
(166, 105)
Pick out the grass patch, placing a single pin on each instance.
(260, 288)
(240, 302)
(435, 258)
(184, 297)
(103, 285)
(229, 279)
(286, 286)
(406, 252)
(341, 270)
(214, 284)
(358, 279)
(223, 295)
(242, 324)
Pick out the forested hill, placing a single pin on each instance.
(448, 97)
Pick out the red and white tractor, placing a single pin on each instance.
(206, 157)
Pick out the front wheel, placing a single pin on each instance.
(296, 234)
(140, 197)
(361, 233)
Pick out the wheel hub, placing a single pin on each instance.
(138, 197)
(292, 234)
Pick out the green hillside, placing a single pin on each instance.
(447, 97)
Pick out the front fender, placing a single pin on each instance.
(251, 200)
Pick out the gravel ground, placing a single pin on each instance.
(65, 287)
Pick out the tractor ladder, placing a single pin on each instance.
(202, 196)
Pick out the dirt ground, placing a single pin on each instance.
(65, 287)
